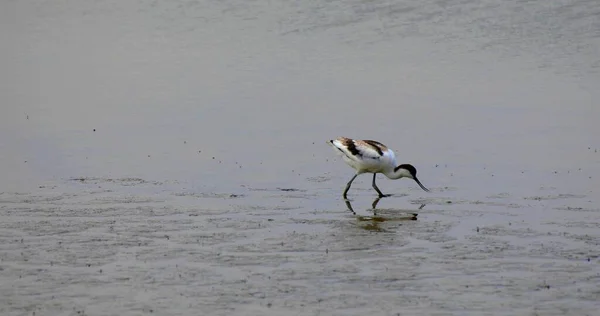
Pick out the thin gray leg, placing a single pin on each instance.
(376, 188)
(348, 186)
(349, 206)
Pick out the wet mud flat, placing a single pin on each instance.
(136, 247)
(178, 167)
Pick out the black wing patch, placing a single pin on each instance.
(352, 148)
(376, 145)
(372, 150)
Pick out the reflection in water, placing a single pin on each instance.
(373, 223)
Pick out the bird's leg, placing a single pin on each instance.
(376, 188)
(348, 186)
(349, 206)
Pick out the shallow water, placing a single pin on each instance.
(170, 158)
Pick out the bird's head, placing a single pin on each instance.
(409, 171)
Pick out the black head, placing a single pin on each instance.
(410, 168)
(413, 172)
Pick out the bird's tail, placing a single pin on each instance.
(335, 144)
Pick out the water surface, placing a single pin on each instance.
(170, 158)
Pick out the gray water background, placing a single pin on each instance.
(169, 158)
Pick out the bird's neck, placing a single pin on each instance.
(397, 174)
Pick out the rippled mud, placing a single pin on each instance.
(101, 251)
(169, 157)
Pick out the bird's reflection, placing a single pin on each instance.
(373, 223)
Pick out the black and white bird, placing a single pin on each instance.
(369, 156)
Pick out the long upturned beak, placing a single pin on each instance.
(421, 185)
